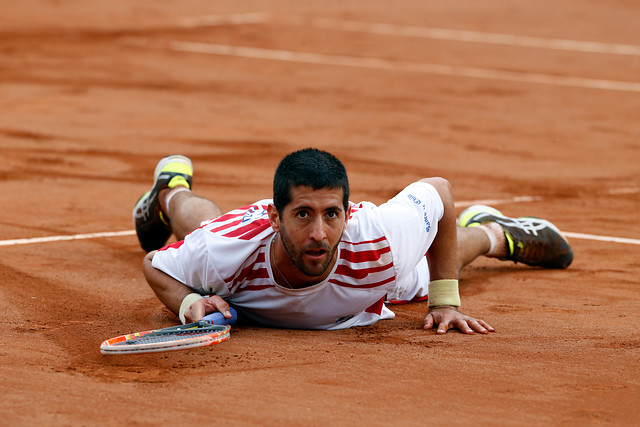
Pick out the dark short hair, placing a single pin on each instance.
(309, 167)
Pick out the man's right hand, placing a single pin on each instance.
(202, 307)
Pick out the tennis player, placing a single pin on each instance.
(311, 259)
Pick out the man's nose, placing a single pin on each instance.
(318, 230)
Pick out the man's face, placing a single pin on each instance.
(311, 227)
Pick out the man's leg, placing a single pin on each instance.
(472, 243)
(186, 210)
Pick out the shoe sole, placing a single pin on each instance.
(176, 158)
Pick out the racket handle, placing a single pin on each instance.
(218, 319)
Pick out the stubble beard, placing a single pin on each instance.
(296, 256)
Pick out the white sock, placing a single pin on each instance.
(172, 193)
(498, 241)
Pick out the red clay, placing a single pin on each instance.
(86, 114)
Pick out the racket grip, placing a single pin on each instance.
(218, 319)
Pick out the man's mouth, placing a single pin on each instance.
(316, 253)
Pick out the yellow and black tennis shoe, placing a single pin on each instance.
(532, 241)
(152, 227)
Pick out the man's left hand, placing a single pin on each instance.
(448, 317)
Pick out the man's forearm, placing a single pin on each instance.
(168, 290)
(443, 251)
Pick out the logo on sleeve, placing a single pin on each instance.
(254, 213)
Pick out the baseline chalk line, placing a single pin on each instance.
(217, 20)
(459, 204)
(47, 239)
(517, 199)
(399, 30)
(474, 36)
(601, 238)
(381, 64)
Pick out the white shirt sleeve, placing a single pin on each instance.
(410, 222)
(188, 262)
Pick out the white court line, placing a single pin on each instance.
(475, 37)
(49, 239)
(459, 204)
(525, 199)
(67, 237)
(417, 32)
(601, 238)
(517, 199)
(383, 64)
(624, 190)
(217, 20)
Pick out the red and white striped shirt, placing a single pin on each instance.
(229, 256)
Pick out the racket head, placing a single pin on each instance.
(192, 335)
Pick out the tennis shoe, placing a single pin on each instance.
(152, 226)
(532, 241)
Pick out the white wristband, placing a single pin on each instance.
(444, 292)
(186, 303)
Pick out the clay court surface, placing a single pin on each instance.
(93, 94)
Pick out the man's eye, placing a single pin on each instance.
(333, 214)
(303, 215)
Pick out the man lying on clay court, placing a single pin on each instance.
(310, 259)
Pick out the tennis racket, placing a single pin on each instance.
(192, 335)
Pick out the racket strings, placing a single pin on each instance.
(172, 336)
(193, 335)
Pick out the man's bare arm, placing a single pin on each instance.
(168, 290)
(442, 265)
(172, 292)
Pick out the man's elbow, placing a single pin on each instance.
(441, 184)
(443, 188)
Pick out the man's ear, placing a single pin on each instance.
(274, 217)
